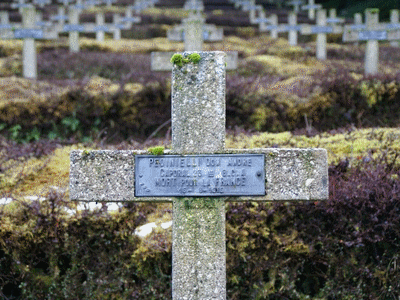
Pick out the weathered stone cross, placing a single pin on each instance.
(193, 32)
(198, 175)
(372, 32)
(321, 29)
(29, 32)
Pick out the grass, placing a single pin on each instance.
(35, 175)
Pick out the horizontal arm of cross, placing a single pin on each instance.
(290, 174)
(161, 61)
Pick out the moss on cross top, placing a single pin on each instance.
(158, 150)
(180, 60)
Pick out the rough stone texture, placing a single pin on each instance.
(161, 61)
(292, 35)
(210, 33)
(198, 126)
(100, 23)
(291, 174)
(372, 33)
(193, 33)
(29, 64)
(321, 37)
(372, 48)
(74, 35)
(198, 105)
(198, 253)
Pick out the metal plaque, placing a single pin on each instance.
(28, 34)
(199, 175)
(393, 26)
(372, 35)
(262, 20)
(358, 27)
(73, 27)
(321, 29)
(289, 28)
(101, 28)
(121, 26)
(271, 27)
(5, 26)
(311, 6)
(131, 19)
(334, 20)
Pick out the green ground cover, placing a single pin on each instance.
(280, 96)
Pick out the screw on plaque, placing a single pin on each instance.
(259, 174)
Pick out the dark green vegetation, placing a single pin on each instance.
(257, 96)
(345, 248)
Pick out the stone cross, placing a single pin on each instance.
(129, 18)
(100, 27)
(358, 24)
(272, 27)
(198, 175)
(261, 20)
(61, 17)
(28, 31)
(41, 3)
(296, 5)
(65, 2)
(192, 33)
(333, 19)
(4, 22)
(20, 5)
(321, 29)
(253, 9)
(141, 5)
(109, 3)
(372, 32)
(311, 7)
(91, 3)
(194, 5)
(292, 28)
(394, 19)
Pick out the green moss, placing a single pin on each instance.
(353, 144)
(158, 150)
(373, 10)
(194, 58)
(179, 60)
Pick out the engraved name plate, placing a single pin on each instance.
(199, 175)
(28, 34)
(372, 35)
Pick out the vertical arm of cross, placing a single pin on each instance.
(193, 33)
(29, 47)
(394, 21)
(61, 17)
(198, 126)
(321, 37)
(116, 23)
(4, 20)
(74, 34)
(274, 25)
(100, 24)
(372, 47)
(292, 33)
